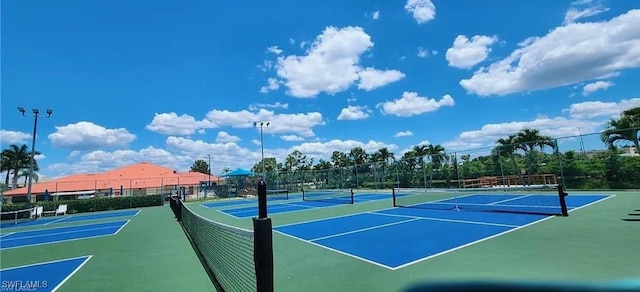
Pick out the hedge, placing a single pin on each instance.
(95, 204)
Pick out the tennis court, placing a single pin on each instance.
(70, 218)
(313, 200)
(414, 229)
(20, 239)
(51, 275)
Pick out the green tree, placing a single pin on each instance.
(17, 158)
(626, 128)
(200, 166)
(270, 165)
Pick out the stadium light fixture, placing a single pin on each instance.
(36, 115)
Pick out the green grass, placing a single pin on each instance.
(152, 254)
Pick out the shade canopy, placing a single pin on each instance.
(238, 172)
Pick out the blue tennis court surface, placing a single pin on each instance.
(398, 237)
(47, 276)
(251, 211)
(231, 202)
(72, 218)
(61, 234)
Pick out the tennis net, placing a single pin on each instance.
(543, 199)
(277, 194)
(8, 218)
(340, 196)
(226, 252)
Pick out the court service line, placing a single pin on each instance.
(57, 241)
(6, 234)
(448, 220)
(492, 236)
(229, 214)
(71, 274)
(65, 232)
(335, 250)
(363, 229)
(54, 221)
(508, 200)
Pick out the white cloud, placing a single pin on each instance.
(275, 50)
(89, 136)
(300, 124)
(599, 109)
(266, 65)
(256, 142)
(575, 13)
(226, 154)
(403, 134)
(566, 55)
(422, 53)
(466, 53)
(272, 84)
(324, 150)
(224, 137)
(353, 112)
(331, 65)
(100, 160)
(172, 124)
(291, 138)
(434, 52)
(14, 137)
(595, 86)
(411, 104)
(371, 78)
(258, 106)
(422, 10)
(376, 15)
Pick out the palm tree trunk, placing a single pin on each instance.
(6, 179)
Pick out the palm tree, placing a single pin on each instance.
(17, 158)
(627, 128)
(5, 165)
(25, 174)
(507, 147)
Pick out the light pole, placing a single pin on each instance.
(584, 153)
(36, 115)
(262, 124)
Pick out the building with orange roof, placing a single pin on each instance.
(137, 179)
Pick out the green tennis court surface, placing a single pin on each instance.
(596, 242)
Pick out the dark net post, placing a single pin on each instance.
(563, 203)
(263, 245)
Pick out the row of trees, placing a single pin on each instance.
(15, 162)
(524, 152)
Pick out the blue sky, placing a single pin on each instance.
(173, 81)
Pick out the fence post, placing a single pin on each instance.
(263, 245)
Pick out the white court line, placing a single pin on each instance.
(508, 200)
(121, 227)
(335, 250)
(54, 221)
(277, 213)
(449, 220)
(64, 232)
(364, 229)
(6, 234)
(224, 205)
(492, 236)
(72, 273)
(229, 214)
(43, 263)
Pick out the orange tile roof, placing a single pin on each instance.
(137, 176)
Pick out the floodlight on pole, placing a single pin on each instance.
(36, 115)
(262, 124)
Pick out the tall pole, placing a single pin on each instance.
(584, 154)
(209, 172)
(262, 124)
(32, 159)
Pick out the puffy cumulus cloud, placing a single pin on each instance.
(599, 109)
(89, 136)
(299, 123)
(272, 84)
(258, 106)
(422, 10)
(291, 138)
(224, 137)
(172, 124)
(222, 154)
(274, 50)
(595, 86)
(411, 104)
(100, 160)
(466, 53)
(353, 112)
(422, 53)
(13, 137)
(567, 55)
(256, 142)
(403, 134)
(336, 52)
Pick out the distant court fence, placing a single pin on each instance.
(580, 162)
